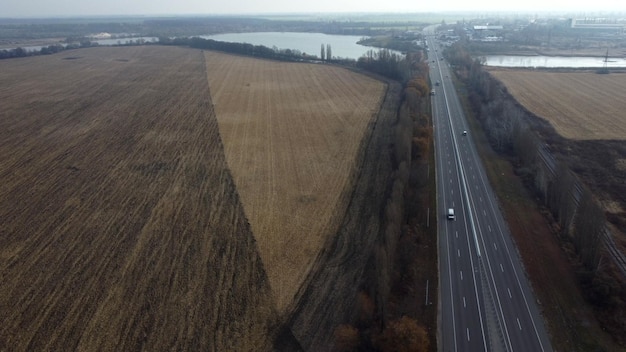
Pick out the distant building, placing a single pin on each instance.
(103, 35)
(487, 33)
(599, 24)
(488, 28)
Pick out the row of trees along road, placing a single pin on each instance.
(379, 327)
(580, 217)
(504, 121)
(578, 213)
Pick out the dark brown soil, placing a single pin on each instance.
(120, 225)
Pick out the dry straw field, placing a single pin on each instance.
(136, 215)
(291, 133)
(580, 105)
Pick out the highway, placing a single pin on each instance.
(486, 303)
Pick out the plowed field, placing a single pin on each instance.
(580, 105)
(291, 134)
(137, 215)
(120, 226)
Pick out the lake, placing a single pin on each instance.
(342, 46)
(552, 61)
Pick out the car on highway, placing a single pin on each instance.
(450, 213)
(465, 133)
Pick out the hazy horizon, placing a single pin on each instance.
(76, 8)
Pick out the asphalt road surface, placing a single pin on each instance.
(486, 303)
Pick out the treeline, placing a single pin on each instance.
(227, 24)
(504, 121)
(247, 49)
(386, 63)
(383, 62)
(404, 43)
(46, 50)
(379, 325)
(194, 42)
(580, 217)
(19, 29)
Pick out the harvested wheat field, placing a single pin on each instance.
(291, 134)
(120, 225)
(580, 105)
(137, 215)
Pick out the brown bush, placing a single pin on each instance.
(346, 338)
(402, 335)
(420, 147)
(366, 309)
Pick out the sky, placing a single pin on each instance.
(49, 8)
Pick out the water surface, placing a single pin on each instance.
(342, 46)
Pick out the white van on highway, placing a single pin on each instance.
(450, 214)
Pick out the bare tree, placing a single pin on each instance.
(588, 230)
(542, 180)
(561, 197)
(526, 148)
(382, 280)
(512, 121)
(403, 134)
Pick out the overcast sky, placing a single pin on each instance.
(50, 8)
